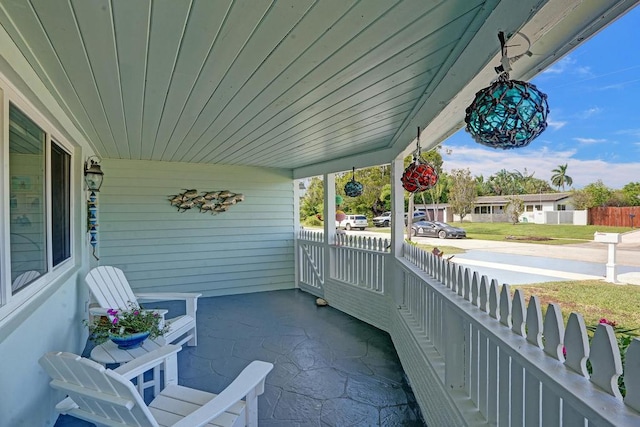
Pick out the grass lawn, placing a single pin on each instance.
(593, 299)
(535, 233)
(447, 250)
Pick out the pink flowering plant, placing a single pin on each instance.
(126, 322)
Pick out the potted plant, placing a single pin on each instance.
(127, 328)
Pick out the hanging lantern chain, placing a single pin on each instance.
(417, 153)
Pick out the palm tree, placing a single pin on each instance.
(560, 177)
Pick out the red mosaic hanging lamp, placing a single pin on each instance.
(419, 176)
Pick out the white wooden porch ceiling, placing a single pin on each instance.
(288, 83)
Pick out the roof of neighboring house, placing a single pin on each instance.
(527, 198)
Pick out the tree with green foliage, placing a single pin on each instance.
(560, 177)
(592, 195)
(373, 179)
(631, 194)
(483, 187)
(462, 193)
(312, 203)
(514, 208)
(503, 183)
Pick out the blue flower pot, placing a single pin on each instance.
(127, 342)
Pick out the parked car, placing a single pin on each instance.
(437, 229)
(353, 221)
(417, 216)
(383, 220)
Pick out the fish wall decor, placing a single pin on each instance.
(214, 202)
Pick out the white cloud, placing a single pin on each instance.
(561, 66)
(589, 112)
(589, 140)
(486, 162)
(584, 70)
(632, 132)
(555, 125)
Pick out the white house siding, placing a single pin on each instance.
(249, 248)
(54, 324)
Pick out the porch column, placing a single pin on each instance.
(329, 216)
(397, 227)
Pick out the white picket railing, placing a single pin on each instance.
(508, 360)
(311, 261)
(501, 362)
(360, 261)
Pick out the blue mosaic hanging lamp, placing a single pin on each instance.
(509, 113)
(419, 176)
(353, 188)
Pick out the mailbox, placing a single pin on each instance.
(606, 237)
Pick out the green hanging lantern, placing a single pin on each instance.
(353, 188)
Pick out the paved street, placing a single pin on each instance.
(519, 263)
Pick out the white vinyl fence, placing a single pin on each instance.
(360, 261)
(508, 360)
(311, 261)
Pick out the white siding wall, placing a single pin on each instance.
(53, 323)
(246, 249)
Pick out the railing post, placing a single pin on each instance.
(397, 230)
(329, 223)
(454, 351)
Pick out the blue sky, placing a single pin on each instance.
(594, 120)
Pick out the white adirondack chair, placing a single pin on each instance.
(108, 397)
(23, 279)
(110, 288)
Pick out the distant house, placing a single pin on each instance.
(546, 208)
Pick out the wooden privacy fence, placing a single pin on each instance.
(508, 360)
(627, 216)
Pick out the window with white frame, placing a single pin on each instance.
(562, 207)
(39, 201)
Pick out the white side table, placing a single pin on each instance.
(109, 353)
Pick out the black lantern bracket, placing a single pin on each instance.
(505, 60)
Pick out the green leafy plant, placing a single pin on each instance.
(624, 337)
(126, 322)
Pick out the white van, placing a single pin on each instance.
(353, 221)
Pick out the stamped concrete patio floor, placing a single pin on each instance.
(330, 368)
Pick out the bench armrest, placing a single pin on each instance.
(168, 296)
(249, 383)
(142, 364)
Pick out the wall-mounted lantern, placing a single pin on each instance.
(93, 173)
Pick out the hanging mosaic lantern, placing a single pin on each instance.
(419, 176)
(339, 200)
(353, 188)
(509, 113)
